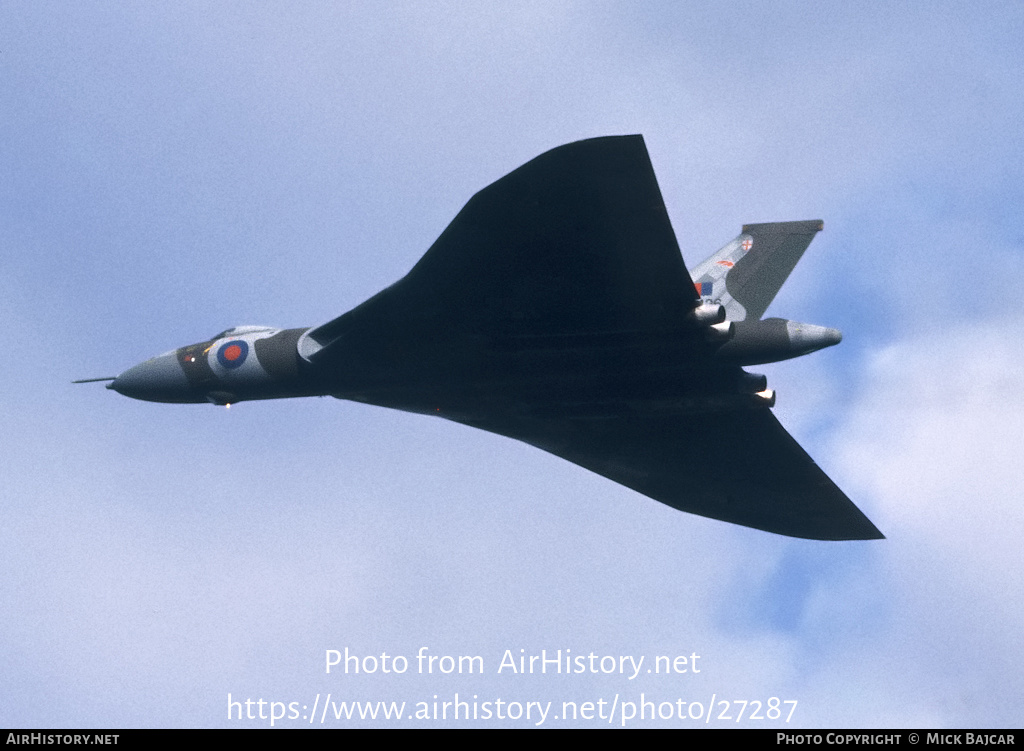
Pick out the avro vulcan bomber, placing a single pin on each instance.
(556, 309)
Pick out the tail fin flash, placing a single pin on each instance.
(746, 274)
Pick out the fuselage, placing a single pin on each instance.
(681, 369)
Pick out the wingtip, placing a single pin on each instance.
(873, 534)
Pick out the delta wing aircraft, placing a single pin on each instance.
(556, 309)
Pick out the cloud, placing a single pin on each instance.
(934, 440)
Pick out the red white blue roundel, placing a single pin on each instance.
(232, 354)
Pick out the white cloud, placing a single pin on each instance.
(937, 435)
(935, 440)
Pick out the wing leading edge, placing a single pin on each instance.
(555, 261)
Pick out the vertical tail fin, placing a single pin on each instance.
(746, 274)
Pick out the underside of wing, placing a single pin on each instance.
(738, 466)
(574, 242)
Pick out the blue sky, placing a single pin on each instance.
(168, 172)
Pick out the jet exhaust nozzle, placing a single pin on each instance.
(752, 383)
(720, 332)
(708, 314)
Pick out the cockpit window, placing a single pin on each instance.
(236, 330)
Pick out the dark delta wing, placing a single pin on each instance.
(576, 241)
(738, 466)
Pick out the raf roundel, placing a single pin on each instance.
(232, 354)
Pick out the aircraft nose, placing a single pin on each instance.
(159, 379)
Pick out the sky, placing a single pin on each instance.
(170, 170)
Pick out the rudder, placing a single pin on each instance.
(747, 273)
